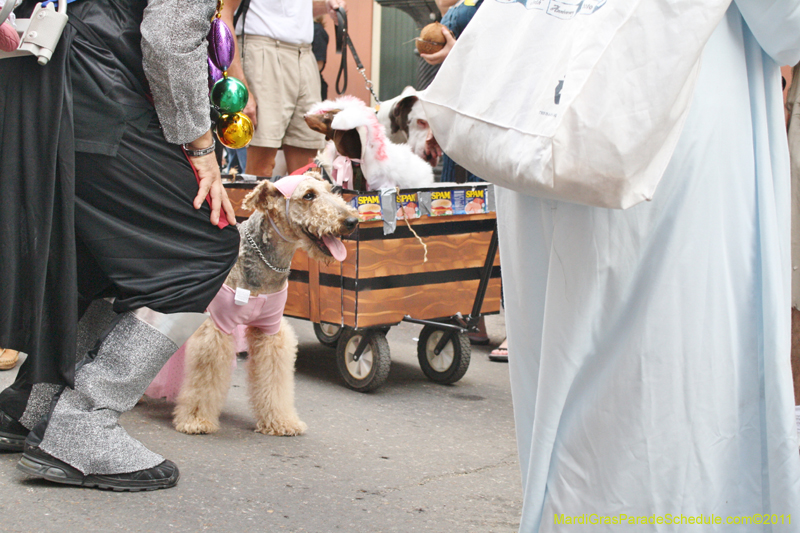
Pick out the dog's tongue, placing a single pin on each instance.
(336, 247)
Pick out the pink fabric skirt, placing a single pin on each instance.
(167, 384)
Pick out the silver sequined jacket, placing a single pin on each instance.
(174, 56)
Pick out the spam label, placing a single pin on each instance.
(469, 202)
(407, 206)
(368, 206)
(442, 202)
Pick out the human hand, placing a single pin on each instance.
(441, 55)
(432, 149)
(332, 6)
(210, 181)
(211, 184)
(251, 109)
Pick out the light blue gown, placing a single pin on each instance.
(649, 348)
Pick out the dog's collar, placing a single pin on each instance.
(258, 251)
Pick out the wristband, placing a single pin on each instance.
(199, 153)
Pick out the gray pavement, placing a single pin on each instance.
(411, 456)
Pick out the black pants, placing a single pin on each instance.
(139, 238)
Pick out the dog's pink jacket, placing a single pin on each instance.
(263, 311)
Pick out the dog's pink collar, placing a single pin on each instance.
(343, 171)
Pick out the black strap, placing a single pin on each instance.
(342, 37)
(241, 12)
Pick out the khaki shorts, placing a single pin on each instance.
(285, 81)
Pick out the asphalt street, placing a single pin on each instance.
(410, 456)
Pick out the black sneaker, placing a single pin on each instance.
(37, 463)
(12, 434)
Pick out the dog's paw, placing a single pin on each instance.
(196, 426)
(282, 428)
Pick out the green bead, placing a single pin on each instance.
(229, 95)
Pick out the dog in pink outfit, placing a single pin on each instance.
(296, 212)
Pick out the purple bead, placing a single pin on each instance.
(220, 44)
(214, 74)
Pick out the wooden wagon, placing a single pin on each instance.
(385, 280)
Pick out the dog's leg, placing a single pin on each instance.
(271, 376)
(207, 377)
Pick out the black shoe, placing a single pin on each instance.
(12, 434)
(37, 463)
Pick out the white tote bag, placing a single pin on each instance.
(582, 101)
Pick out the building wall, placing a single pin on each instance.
(398, 59)
(360, 22)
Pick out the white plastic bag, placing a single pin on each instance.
(581, 101)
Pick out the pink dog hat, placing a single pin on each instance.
(288, 184)
(287, 187)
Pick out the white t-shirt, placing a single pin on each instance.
(290, 21)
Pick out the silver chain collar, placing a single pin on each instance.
(258, 251)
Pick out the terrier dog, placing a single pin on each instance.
(297, 212)
(357, 134)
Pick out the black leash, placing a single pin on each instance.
(343, 37)
(241, 12)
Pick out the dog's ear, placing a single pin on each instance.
(321, 123)
(315, 175)
(399, 115)
(260, 196)
(348, 143)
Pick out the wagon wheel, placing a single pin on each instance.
(328, 334)
(451, 363)
(370, 370)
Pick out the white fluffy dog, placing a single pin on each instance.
(358, 135)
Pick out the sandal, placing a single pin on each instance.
(499, 355)
(8, 358)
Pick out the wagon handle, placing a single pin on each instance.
(486, 274)
(439, 325)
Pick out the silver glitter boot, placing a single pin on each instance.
(92, 325)
(38, 397)
(81, 441)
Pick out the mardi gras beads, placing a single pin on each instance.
(228, 95)
(234, 130)
(214, 74)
